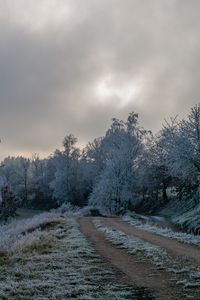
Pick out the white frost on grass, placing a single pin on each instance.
(69, 269)
(156, 255)
(133, 244)
(167, 232)
(18, 234)
(185, 213)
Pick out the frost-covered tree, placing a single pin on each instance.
(42, 173)
(66, 163)
(94, 153)
(9, 202)
(181, 142)
(126, 168)
(115, 187)
(17, 173)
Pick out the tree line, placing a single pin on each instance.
(127, 168)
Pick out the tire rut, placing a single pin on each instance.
(135, 271)
(173, 247)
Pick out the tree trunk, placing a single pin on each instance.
(164, 191)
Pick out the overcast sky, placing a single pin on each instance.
(69, 66)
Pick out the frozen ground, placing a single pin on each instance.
(136, 221)
(47, 257)
(183, 272)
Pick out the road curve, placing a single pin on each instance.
(137, 272)
(173, 247)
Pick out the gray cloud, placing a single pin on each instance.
(70, 66)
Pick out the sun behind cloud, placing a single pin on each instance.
(121, 93)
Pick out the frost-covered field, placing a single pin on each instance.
(47, 257)
(167, 232)
(183, 272)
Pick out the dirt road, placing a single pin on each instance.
(173, 247)
(136, 271)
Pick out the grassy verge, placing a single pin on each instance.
(54, 261)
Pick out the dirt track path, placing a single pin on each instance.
(136, 272)
(173, 247)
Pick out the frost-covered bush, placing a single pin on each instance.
(69, 210)
(90, 211)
